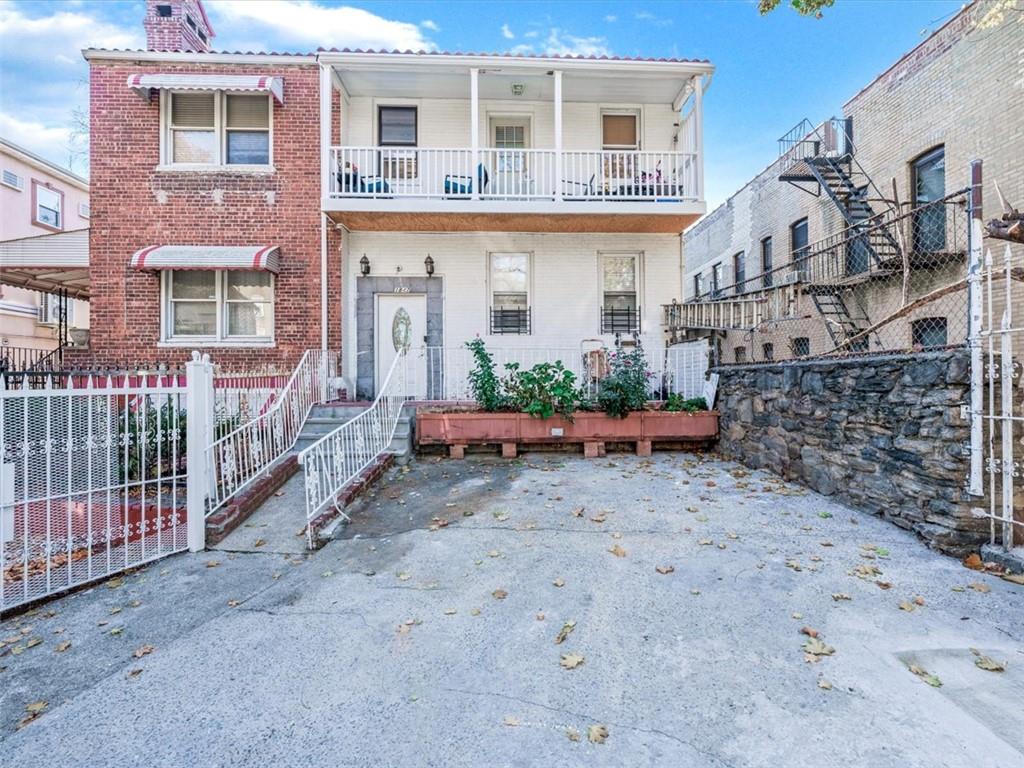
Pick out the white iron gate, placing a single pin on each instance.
(92, 480)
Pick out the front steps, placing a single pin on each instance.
(324, 419)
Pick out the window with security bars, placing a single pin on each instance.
(768, 351)
(219, 305)
(510, 293)
(766, 262)
(739, 272)
(620, 310)
(929, 332)
(801, 346)
(741, 354)
(219, 129)
(798, 244)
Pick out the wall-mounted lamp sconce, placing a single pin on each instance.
(364, 266)
(429, 264)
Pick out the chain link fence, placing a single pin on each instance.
(895, 282)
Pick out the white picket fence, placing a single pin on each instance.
(336, 460)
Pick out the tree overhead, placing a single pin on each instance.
(803, 7)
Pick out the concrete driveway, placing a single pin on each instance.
(427, 636)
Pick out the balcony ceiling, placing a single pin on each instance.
(496, 84)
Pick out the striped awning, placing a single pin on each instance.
(142, 83)
(157, 257)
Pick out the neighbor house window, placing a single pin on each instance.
(222, 305)
(510, 293)
(766, 262)
(698, 286)
(47, 206)
(739, 271)
(219, 129)
(620, 309)
(768, 350)
(741, 354)
(716, 280)
(801, 346)
(798, 240)
(929, 185)
(929, 332)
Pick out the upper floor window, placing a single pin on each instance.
(620, 306)
(47, 206)
(509, 275)
(396, 126)
(218, 305)
(739, 271)
(698, 286)
(766, 262)
(219, 129)
(619, 131)
(798, 240)
(716, 280)
(929, 185)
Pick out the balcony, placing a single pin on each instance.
(466, 142)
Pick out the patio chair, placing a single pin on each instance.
(374, 184)
(579, 188)
(462, 186)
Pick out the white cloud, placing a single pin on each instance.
(507, 33)
(611, 19)
(430, 24)
(60, 36)
(42, 139)
(532, 34)
(563, 44)
(311, 25)
(650, 18)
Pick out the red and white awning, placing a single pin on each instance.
(142, 83)
(157, 257)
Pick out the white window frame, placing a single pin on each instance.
(490, 276)
(18, 184)
(220, 131)
(638, 282)
(636, 111)
(221, 338)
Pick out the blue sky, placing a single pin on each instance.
(771, 71)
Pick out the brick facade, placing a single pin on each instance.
(173, 32)
(136, 204)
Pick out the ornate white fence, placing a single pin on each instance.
(337, 459)
(677, 369)
(92, 478)
(236, 459)
(238, 398)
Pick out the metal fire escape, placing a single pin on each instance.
(824, 158)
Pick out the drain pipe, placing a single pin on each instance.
(326, 92)
(323, 281)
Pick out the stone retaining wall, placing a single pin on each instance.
(884, 434)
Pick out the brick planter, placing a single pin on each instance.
(592, 430)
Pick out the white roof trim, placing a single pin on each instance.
(142, 83)
(157, 257)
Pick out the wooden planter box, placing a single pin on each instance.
(593, 430)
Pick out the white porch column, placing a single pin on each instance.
(474, 128)
(325, 130)
(698, 131)
(198, 437)
(558, 134)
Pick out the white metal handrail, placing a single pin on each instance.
(513, 174)
(337, 459)
(238, 458)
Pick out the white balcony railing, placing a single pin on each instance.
(513, 174)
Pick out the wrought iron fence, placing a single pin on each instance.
(92, 479)
(238, 457)
(336, 460)
(896, 282)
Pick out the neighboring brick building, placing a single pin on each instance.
(956, 97)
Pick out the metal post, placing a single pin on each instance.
(974, 309)
(1006, 401)
(474, 128)
(698, 132)
(558, 134)
(199, 435)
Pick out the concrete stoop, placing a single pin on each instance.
(324, 419)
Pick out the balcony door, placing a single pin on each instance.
(509, 167)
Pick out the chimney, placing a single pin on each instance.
(177, 25)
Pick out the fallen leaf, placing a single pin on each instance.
(705, 542)
(474, 612)
(989, 664)
(571, 660)
(794, 565)
(212, 563)
(115, 610)
(918, 600)
(35, 707)
(134, 603)
(1013, 578)
(117, 630)
(499, 594)
(33, 642)
(115, 583)
(979, 586)
(279, 493)
(134, 672)
(234, 603)
(578, 512)
(973, 561)
(449, 611)
(61, 647)
(540, 616)
(618, 551)
(259, 542)
(837, 596)
(664, 569)
(814, 646)
(824, 515)
(883, 584)
(922, 673)
(510, 721)
(494, 553)
(572, 734)
(599, 518)
(597, 734)
(824, 684)
(403, 576)
(694, 591)
(144, 650)
(905, 606)
(559, 582)
(328, 573)
(564, 632)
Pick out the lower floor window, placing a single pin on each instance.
(929, 332)
(620, 310)
(801, 346)
(768, 349)
(741, 354)
(510, 293)
(219, 305)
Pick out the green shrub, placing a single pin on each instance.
(676, 402)
(483, 380)
(543, 390)
(624, 389)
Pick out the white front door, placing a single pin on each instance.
(401, 323)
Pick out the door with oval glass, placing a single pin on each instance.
(401, 324)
